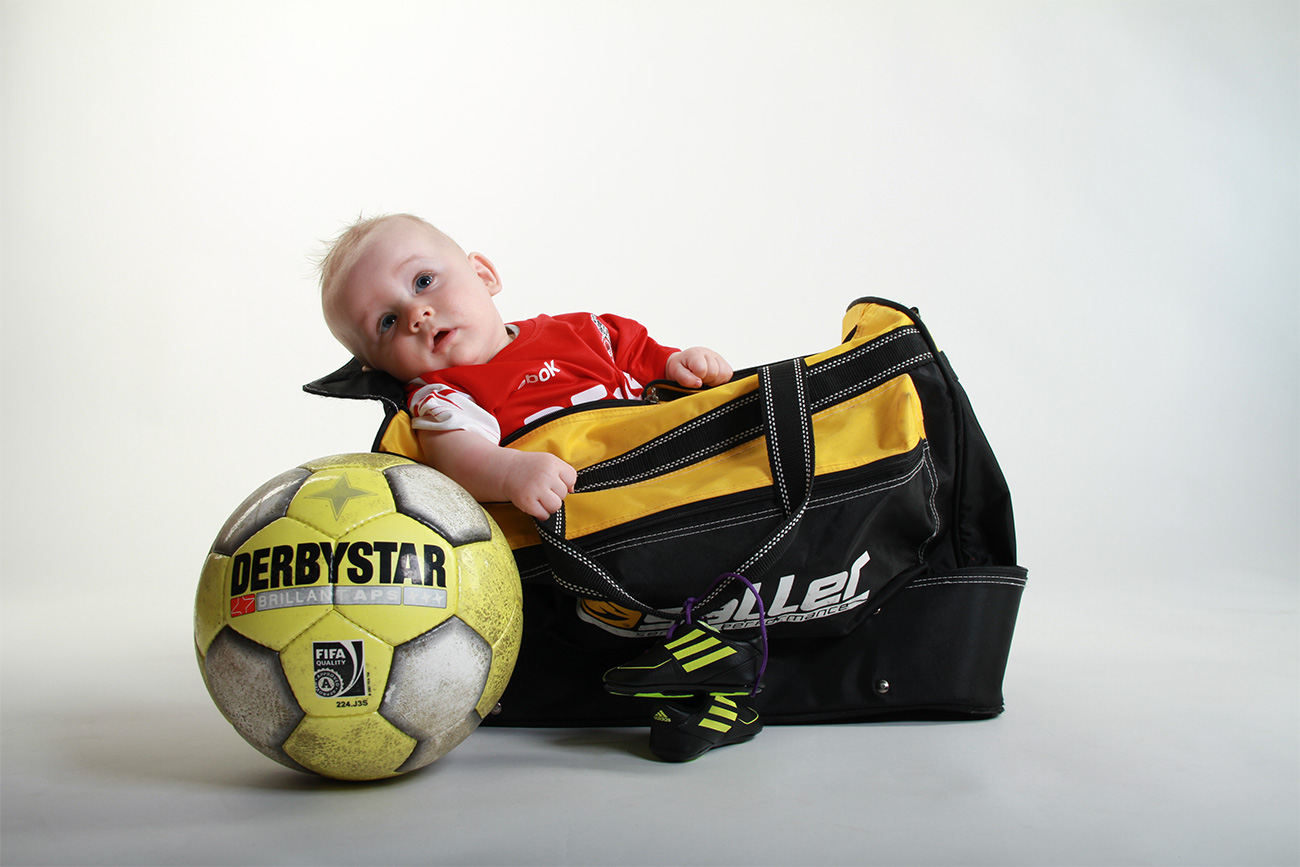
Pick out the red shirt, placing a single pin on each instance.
(554, 362)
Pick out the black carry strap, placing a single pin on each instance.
(781, 408)
(791, 453)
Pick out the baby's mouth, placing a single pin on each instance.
(440, 336)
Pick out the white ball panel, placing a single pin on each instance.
(248, 684)
(436, 680)
(437, 502)
(266, 504)
(428, 751)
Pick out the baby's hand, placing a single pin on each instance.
(537, 482)
(696, 367)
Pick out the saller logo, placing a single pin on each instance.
(823, 597)
(339, 668)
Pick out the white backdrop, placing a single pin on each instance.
(1094, 205)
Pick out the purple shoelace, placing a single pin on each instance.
(762, 616)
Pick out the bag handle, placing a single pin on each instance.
(787, 423)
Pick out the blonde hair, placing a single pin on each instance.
(333, 264)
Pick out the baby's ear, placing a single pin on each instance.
(486, 271)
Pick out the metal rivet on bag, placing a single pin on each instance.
(882, 686)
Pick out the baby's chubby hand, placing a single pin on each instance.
(537, 482)
(697, 367)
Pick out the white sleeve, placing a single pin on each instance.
(441, 407)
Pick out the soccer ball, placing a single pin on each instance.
(358, 616)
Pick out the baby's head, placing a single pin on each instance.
(406, 299)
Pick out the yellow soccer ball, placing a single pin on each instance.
(358, 616)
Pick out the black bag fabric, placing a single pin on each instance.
(855, 490)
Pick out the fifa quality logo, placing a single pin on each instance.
(339, 668)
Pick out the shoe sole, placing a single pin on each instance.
(685, 691)
(684, 757)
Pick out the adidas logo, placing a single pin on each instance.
(662, 716)
(721, 716)
(695, 649)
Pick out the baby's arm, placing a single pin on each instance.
(536, 482)
(696, 367)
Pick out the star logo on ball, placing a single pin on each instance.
(340, 494)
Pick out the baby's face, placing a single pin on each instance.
(412, 302)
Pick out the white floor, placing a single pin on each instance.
(1142, 727)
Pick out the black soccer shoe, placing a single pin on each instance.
(680, 733)
(700, 661)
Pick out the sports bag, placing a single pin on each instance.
(853, 489)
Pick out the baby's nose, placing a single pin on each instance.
(420, 317)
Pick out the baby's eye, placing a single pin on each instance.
(424, 281)
(386, 322)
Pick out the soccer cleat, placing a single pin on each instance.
(679, 733)
(699, 661)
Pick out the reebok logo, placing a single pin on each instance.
(547, 371)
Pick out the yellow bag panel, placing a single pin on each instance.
(519, 529)
(399, 439)
(879, 424)
(599, 433)
(866, 321)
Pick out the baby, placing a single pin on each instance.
(404, 298)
